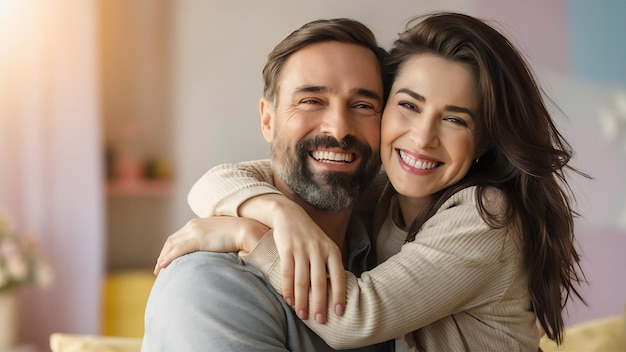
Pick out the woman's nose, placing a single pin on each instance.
(425, 132)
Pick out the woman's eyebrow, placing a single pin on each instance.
(460, 109)
(452, 108)
(413, 94)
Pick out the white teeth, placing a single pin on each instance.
(331, 156)
(418, 164)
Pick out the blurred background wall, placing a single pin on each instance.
(50, 157)
(110, 110)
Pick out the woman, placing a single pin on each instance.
(475, 239)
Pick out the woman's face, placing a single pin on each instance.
(428, 127)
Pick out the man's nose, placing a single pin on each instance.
(338, 122)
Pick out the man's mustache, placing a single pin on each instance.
(348, 142)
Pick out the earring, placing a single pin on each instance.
(476, 161)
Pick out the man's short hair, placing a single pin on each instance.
(343, 30)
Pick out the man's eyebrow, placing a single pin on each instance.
(453, 108)
(367, 93)
(363, 92)
(311, 89)
(356, 91)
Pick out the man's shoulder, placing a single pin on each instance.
(199, 259)
(213, 282)
(213, 301)
(200, 267)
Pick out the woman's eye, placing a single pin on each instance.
(456, 120)
(408, 105)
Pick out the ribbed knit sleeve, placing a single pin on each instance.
(456, 263)
(222, 189)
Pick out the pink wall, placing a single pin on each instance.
(539, 28)
(604, 263)
(544, 30)
(50, 158)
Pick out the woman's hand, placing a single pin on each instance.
(213, 234)
(308, 259)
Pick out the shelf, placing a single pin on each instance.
(139, 188)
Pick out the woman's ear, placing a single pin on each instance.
(267, 119)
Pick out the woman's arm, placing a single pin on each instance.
(457, 262)
(222, 189)
(246, 189)
(218, 233)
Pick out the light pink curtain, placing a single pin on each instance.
(51, 156)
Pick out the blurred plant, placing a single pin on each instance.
(20, 261)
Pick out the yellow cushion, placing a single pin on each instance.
(124, 301)
(601, 335)
(60, 342)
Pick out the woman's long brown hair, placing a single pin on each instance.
(522, 153)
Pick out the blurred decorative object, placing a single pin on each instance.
(612, 120)
(20, 261)
(20, 264)
(8, 320)
(125, 295)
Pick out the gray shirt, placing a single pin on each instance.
(207, 301)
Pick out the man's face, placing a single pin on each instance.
(325, 128)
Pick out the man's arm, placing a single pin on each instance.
(208, 301)
(212, 302)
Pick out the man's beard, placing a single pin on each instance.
(330, 190)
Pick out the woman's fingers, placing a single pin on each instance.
(309, 268)
(337, 277)
(168, 252)
(301, 285)
(215, 234)
(308, 258)
(319, 287)
(287, 275)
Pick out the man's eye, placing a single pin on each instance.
(363, 106)
(309, 101)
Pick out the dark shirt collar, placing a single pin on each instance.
(359, 246)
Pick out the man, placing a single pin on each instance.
(321, 110)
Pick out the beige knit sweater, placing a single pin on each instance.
(460, 283)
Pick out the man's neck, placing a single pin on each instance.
(334, 224)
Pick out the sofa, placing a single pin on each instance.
(60, 342)
(126, 294)
(600, 335)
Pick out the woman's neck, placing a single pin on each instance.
(410, 207)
